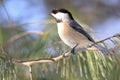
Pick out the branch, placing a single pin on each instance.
(117, 35)
(29, 63)
(17, 36)
(47, 60)
(49, 21)
(66, 54)
(30, 72)
(9, 19)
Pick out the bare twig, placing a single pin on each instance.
(9, 19)
(17, 36)
(108, 38)
(49, 21)
(31, 62)
(30, 72)
(10, 23)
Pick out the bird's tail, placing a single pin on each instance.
(102, 49)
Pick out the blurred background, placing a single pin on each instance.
(19, 16)
(102, 15)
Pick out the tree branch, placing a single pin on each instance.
(58, 58)
(29, 63)
(30, 72)
(17, 36)
(108, 38)
(8, 16)
(46, 60)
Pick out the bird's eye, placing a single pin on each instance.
(54, 11)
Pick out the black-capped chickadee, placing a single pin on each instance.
(71, 33)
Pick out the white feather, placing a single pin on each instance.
(66, 39)
(61, 16)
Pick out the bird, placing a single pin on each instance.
(72, 33)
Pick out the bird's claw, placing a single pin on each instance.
(73, 49)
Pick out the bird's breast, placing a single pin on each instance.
(70, 36)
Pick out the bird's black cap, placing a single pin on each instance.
(62, 10)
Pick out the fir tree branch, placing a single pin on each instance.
(66, 54)
(18, 36)
(29, 63)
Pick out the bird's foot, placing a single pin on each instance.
(73, 49)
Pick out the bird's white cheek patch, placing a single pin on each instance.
(62, 16)
(59, 15)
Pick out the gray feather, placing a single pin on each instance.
(80, 29)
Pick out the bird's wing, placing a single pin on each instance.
(81, 30)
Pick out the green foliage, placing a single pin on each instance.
(88, 65)
(7, 69)
(1, 37)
